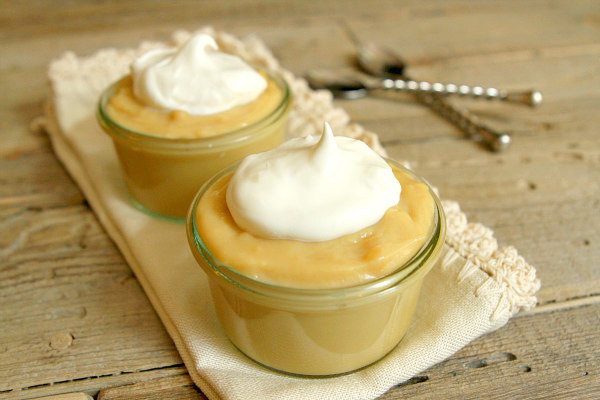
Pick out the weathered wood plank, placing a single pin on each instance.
(438, 31)
(36, 179)
(91, 384)
(71, 308)
(68, 396)
(431, 30)
(176, 387)
(552, 355)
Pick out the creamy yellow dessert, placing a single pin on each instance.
(315, 253)
(126, 109)
(352, 259)
(184, 114)
(340, 334)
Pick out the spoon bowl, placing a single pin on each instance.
(379, 61)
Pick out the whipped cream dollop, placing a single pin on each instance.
(196, 78)
(312, 189)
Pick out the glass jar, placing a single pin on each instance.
(316, 331)
(163, 174)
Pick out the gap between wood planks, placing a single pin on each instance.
(574, 302)
(89, 379)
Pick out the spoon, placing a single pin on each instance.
(382, 62)
(354, 86)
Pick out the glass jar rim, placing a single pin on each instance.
(234, 137)
(417, 265)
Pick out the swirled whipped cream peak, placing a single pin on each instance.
(312, 189)
(196, 78)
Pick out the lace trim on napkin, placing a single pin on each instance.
(477, 244)
(472, 241)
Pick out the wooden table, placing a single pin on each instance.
(73, 318)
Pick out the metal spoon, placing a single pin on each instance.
(353, 86)
(382, 62)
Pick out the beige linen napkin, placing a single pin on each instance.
(476, 288)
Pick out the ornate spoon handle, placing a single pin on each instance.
(531, 98)
(467, 122)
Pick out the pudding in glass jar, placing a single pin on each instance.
(315, 253)
(183, 115)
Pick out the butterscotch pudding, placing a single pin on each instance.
(126, 108)
(315, 252)
(184, 114)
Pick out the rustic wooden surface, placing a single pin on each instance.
(73, 318)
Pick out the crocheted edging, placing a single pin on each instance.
(477, 244)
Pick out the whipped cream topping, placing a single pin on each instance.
(312, 189)
(196, 78)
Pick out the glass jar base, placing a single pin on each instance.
(170, 218)
(316, 376)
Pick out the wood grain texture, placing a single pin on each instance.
(550, 355)
(176, 387)
(91, 384)
(71, 308)
(68, 396)
(72, 316)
